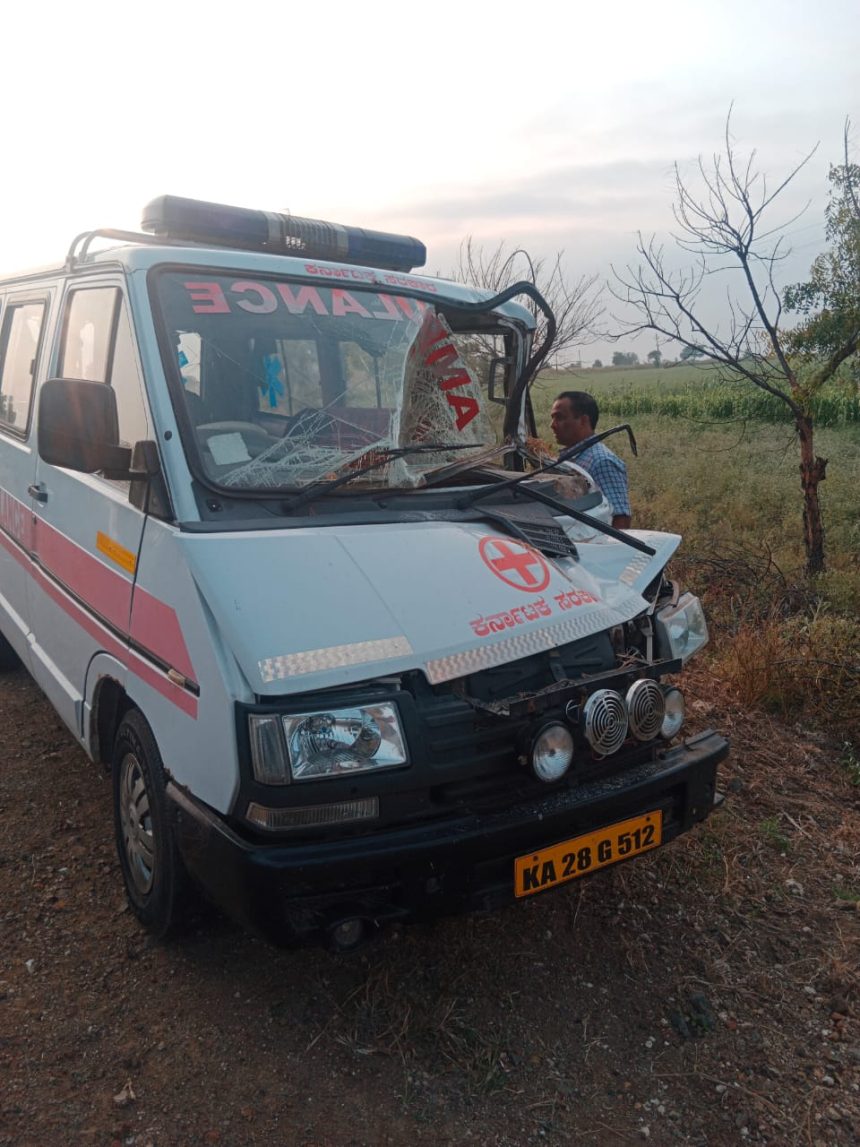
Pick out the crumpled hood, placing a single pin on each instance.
(311, 609)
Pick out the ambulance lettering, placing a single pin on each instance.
(442, 357)
(212, 298)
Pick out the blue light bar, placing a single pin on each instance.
(218, 225)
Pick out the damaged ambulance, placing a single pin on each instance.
(275, 543)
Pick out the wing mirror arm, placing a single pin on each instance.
(147, 487)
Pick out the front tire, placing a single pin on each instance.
(155, 880)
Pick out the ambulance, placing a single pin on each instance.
(277, 543)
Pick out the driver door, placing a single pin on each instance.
(87, 534)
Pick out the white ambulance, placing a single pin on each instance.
(274, 542)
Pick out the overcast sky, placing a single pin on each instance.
(548, 125)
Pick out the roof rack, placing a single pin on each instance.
(86, 238)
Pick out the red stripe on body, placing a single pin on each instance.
(155, 627)
(15, 551)
(152, 625)
(16, 519)
(109, 642)
(107, 592)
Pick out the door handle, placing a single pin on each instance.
(38, 492)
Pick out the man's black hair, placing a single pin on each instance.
(581, 403)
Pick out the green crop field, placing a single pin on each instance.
(692, 392)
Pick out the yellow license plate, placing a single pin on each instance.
(583, 854)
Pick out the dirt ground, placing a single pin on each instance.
(707, 993)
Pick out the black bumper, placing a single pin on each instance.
(295, 892)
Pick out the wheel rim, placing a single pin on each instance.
(138, 838)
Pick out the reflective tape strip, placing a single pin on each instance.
(531, 642)
(332, 657)
(111, 548)
(632, 571)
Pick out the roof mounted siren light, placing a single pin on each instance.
(219, 225)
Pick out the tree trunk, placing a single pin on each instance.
(812, 471)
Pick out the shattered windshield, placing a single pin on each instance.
(287, 384)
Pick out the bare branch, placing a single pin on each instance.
(721, 227)
(666, 304)
(576, 304)
(721, 223)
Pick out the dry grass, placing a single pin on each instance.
(805, 667)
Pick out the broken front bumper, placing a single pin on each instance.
(297, 892)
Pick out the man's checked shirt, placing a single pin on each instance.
(610, 474)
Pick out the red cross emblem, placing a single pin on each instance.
(517, 564)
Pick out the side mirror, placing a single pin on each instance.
(78, 426)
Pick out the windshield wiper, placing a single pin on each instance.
(586, 519)
(451, 470)
(568, 455)
(376, 458)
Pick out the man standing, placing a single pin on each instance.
(573, 419)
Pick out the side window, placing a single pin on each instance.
(98, 346)
(88, 333)
(19, 346)
(128, 385)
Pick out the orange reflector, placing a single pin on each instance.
(313, 816)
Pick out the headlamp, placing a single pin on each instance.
(326, 743)
(552, 752)
(681, 628)
(675, 711)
